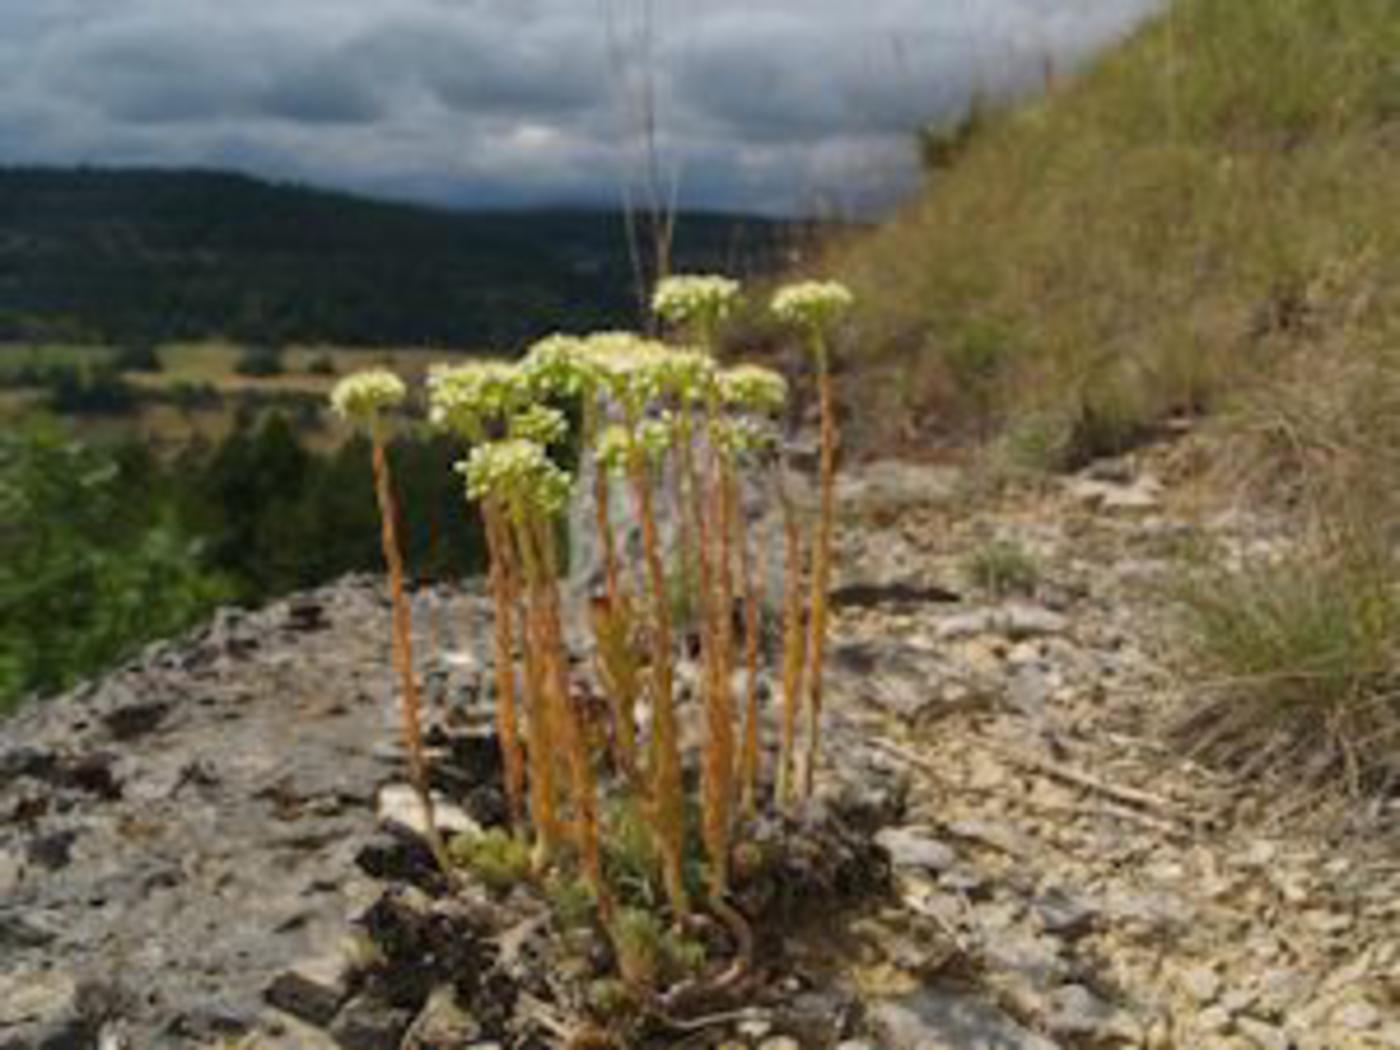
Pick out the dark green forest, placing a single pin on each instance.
(104, 548)
(130, 256)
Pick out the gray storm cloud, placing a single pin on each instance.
(764, 104)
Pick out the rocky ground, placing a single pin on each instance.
(199, 847)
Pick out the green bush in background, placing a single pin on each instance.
(92, 562)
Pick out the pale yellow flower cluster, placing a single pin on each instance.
(518, 472)
(753, 388)
(464, 397)
(684, 299)
(362, 396)
(812, 304)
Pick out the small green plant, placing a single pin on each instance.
(1297, 662)
(1002, 568)
(500, 860)
(611, 1000)
(570, 898)
(648, 954)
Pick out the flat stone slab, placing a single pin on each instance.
(936, 1019)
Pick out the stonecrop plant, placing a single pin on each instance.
(364, 400)
(686, 443)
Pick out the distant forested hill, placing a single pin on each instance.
(140, 255)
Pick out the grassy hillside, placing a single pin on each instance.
(1206, 224)
(124, 256)
(1211, 205)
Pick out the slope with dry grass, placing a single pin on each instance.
(1205, 225)
(1217, 196)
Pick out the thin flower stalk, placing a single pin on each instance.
(794, 645)
(719, 708)
(584, 788)
(751, 394)
(362, 398)
(749, 752)
(504, 589)
(702, 303)
(717, 757)
(634, 370)
(622, 693)
(666, 795)
(815, 307)
(821, 568)
(618, 671)
(466, 400)
(410, 709)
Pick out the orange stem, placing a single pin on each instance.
(794, 644)
(667, 799)
(503, 590)
(585, 799)
(748, 770)
(409, 707)
(821, 567)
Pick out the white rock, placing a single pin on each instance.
(1359, 1016)
(399, 804)
(1202, 983)
(34, 997)
(911, 847)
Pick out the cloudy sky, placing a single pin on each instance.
(777, 105)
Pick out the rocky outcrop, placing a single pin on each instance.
(214, 842)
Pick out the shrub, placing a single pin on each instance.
(322, 364)
(98, 391)
(1002, 568)
(1298, 662)
(260, 362)
(91, 563)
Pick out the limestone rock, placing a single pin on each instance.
(911, 847)
(933, 1019)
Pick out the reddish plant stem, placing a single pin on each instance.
(748, 767)
(584, 789)
(409, 707)
(504, 587)
(794, 644)
(720, 707)
(668, 807)
(821, 566)
(541, 730)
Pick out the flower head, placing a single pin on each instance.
(687, 374)
(656, 435)
(632, 369)
(753, 388)
(518, 471)
(686, 299)
(812, 304)
(738, 436)
(540, 424)
(613, 449)
(466, 397)
(360, 397)
(560, 365)
(618, 444)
